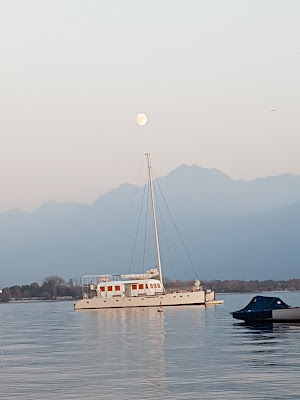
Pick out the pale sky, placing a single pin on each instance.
(74, 74)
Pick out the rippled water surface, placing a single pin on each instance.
(49, 351)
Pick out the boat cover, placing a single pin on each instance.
(260, 308)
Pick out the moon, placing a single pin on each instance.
(141, 119)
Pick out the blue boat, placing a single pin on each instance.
(271, 309)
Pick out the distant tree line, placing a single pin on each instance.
(236, 286)
(53, 287)
(56, 288)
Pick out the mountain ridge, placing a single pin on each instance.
(221, 219)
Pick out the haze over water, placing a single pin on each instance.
(50, 351)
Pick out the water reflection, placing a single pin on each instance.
(264, 343)
(261, 327)
(51, 351)
(130, 343)
(256, 327)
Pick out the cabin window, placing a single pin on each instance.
(158, 285)
(141, 286)
(151, 285)
(134, 287)
(102, 289)
(154, 284)
(117, 288)
(109, 288)
(146, 286)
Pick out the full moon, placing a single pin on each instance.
(141, 119)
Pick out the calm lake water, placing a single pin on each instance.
(49, 351)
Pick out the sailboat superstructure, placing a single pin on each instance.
(139, 290)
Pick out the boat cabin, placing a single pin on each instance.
(108, 288)
(147, 287)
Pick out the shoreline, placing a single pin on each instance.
(36, 301)
(76, 299)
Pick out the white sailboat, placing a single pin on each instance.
(139, 290)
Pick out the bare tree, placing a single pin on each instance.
(52, 284)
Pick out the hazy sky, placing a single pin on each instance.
(74, 74)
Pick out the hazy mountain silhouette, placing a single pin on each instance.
(231, 229)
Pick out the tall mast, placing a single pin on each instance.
(154, 216)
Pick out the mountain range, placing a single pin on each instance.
(224, 229)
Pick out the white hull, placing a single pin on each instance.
(169, 299)
(286, 314)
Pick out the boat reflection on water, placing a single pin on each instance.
(131, 346)
(256, 327)
(137, 345)
(264, 342)
(267, 326)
